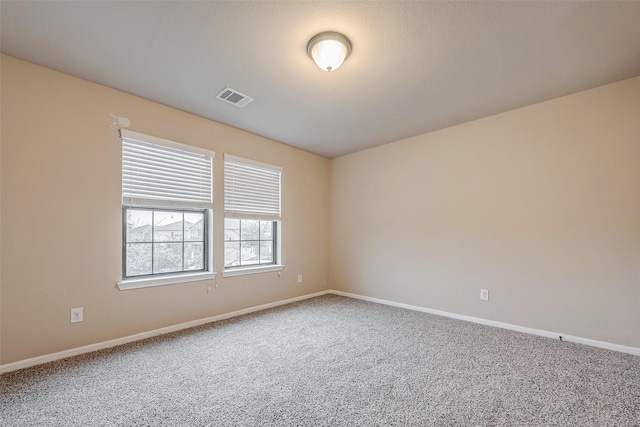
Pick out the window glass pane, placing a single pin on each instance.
(249, 252)
(250, 229)
(193, 256)
(138, 259)
(167, 226)
(138, 225)
(266, 252)
(249, 242)
(266, 230)
(164, 241)
(231, 254)
(194, 227)
(231, 229)
(167, 257)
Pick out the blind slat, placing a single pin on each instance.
(161, 173)
(168, 190)
(244, 181)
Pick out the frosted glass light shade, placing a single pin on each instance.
(329, 50)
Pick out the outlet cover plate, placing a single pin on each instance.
(484, 294)
(77, 314)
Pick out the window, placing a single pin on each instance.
(252, 216)
(166, 211)
(159, 241)
(249, 242)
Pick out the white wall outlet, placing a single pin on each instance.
(299, 278)
(484, 294)
(77, 314)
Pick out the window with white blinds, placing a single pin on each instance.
(158, 172)
(166, 212)
(251, 189)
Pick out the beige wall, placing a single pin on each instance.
(61, 216)
(540, 205)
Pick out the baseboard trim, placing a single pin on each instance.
(555, 335)
(21, 364)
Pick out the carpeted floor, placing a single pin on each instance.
(331, 361)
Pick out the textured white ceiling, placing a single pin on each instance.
(415, 67)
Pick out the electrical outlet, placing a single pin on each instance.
(484, 294)
(299, 278)
(77, 314)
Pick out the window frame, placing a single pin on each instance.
(274, 244)
(205, 243)
(160, 204)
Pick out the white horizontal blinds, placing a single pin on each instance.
(251, 189)
(157, 172)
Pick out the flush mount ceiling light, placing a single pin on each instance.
(329, 50)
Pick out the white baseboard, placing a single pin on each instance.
(548, 334)
(124, 340)
(21, 364)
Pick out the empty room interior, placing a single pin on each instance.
(320, 213)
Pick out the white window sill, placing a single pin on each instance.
(251, 270)
(164, 280)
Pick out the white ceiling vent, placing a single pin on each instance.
(234, 97)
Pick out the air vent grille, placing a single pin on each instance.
(234, 97)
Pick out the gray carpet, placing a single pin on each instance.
(331, 361)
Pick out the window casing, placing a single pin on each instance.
(252, 216)
(166, 211)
